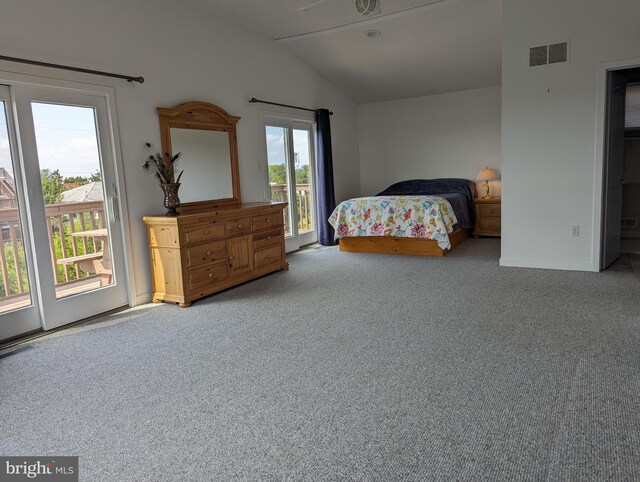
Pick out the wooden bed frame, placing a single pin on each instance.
(391, 245)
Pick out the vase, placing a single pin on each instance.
(171, 199)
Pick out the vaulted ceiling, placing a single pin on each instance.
(424, 46)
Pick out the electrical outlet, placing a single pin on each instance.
(575, 231)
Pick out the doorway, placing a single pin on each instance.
(291, 156)
(630, 242)
(621, 199)
(62, 252)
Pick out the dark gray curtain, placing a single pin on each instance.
(326, 193)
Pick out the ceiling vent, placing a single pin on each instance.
(556, 53)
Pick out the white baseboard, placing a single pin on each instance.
(141, 299)
(548, 264)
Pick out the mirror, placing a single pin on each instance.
(203, 153)
(205, 134)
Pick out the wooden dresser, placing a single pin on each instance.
(488, 217)
(195, 255)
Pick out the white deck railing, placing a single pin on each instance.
(303, 204)
(63, 220)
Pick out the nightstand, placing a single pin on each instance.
(488, 222)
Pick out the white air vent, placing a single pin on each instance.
(558, 53)
(538, 56)
(549, 54)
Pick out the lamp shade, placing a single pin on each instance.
(487, 175)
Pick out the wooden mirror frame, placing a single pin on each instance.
(203, 116)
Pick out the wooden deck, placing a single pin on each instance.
(62, 291)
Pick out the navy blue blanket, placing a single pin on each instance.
(459, 192)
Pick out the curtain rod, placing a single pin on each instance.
(128, 78)
(253, 100)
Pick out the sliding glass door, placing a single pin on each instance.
(63, 234)
(19, 310)
(291, 163)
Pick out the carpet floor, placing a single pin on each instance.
(347, 367)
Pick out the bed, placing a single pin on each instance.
(424, 217)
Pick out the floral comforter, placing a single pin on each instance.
(429, 217)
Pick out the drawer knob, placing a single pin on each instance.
(268, 238)
(206, 231)
(239, 226)
(268, 256)
(267, 220)
(493, 211)
(208, 252)
(210, 275)
(493, 225)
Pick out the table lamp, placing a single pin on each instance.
(487, 175)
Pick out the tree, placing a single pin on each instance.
(96, 176)
(277, 174)
(80, 180)
(51, 186)
(302, 174)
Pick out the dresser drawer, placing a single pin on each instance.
(267, 256)
(206, 253)
(207, 274)
(193, 234)
(239, 226)
(489, 210)
(268, 238)
(267, 221)
(490, 224)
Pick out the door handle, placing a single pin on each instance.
(115, 205)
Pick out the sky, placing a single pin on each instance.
(276, 149)
(65, 138)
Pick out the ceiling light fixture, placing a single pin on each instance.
(363, 7)
(367, 7)
(362, 23)
(373, 33)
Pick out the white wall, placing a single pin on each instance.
(184, 55)
(446, 135)
(552, 127)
